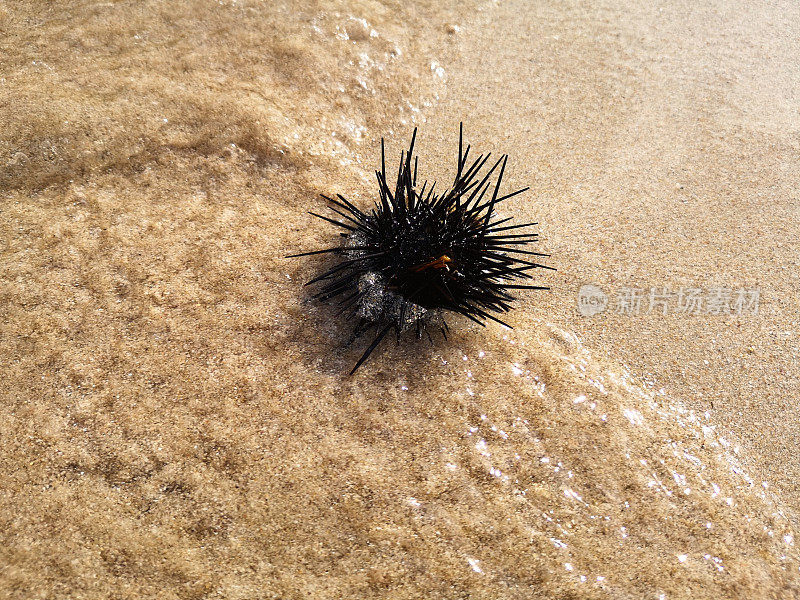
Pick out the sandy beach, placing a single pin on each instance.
(176, 416)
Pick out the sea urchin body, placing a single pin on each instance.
(419, 254)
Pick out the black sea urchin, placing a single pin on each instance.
(419, 254)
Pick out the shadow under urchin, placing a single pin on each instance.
(419, 254)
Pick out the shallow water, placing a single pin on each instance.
(176, 418)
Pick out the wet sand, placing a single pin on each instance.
(176, 418)
(662, 147)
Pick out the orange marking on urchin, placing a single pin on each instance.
(436, 263)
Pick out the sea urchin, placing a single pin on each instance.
(418, 253)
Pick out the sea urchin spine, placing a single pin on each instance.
(418, 254)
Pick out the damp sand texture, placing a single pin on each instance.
(176, 420)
